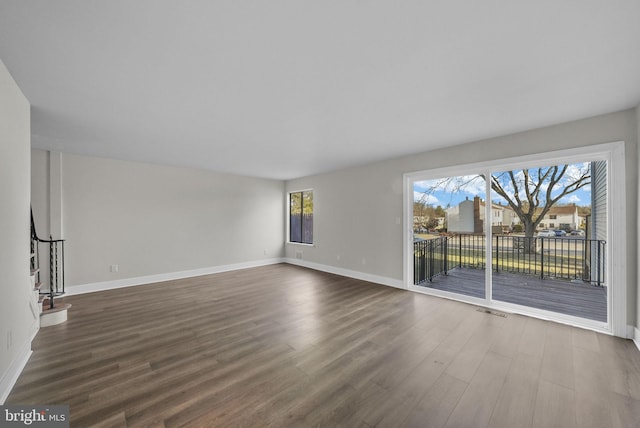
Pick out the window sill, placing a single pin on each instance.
(301, 243)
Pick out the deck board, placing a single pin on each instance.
(565, 297)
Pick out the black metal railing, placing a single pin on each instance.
(430, 259)
(56, 263)
(558, 258)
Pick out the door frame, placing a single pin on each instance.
(616, 257)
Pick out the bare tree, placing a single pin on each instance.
(531, 193)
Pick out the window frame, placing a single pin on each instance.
(288, 231)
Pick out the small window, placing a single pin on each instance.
(553, 216)
(301, 217)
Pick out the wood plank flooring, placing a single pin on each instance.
(286, 346)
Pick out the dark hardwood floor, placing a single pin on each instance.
(287, 346)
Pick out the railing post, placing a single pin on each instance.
(56, 268)
(445, 250)
(555, 258)
(497, 254)
(586, 275)
(422, 261)
(541, 258)
(604, 256)
(62, 244)
(51, 275)
(415, 267)
(416, 263)
(598, 262)
(418, 268)
(575, 259)
(431, 258)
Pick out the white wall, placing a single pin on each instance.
(357, 209)
(16, 319)
(40, 191)
(637, 324)
(153, 220)
(40, 202)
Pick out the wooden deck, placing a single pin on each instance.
(565, 297)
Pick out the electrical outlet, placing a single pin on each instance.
(114, 268)
(338, 257)
(9, 339)
(364, 261)
(265, 252)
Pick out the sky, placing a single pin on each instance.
(450, 191)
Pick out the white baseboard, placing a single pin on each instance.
(636, 338)
(141, 280)
(383, 280)
(149, 279)
(10, 377)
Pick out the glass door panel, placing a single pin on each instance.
(449, 240)
(549, 238)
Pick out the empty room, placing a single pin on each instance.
(341, 214)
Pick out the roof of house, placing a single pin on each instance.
(563, 209)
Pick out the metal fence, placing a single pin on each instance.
(430, 259)
(301, 228)
(558, 258)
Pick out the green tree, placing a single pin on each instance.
(301, 201)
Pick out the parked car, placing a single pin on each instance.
(577, 233)
(547, 233)
(560, 232)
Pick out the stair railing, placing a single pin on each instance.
(56, 262)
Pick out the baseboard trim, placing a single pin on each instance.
(149, 279)
(636, 338)
(10, 377)
(382, 280)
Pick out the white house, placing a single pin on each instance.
(564, 217)
(460, 218)
(468, 217)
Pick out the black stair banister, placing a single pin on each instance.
(56, 262)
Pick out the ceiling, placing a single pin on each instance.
(283, 89)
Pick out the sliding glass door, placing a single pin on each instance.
(449, 243)
(533, 236)
(548, 253)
